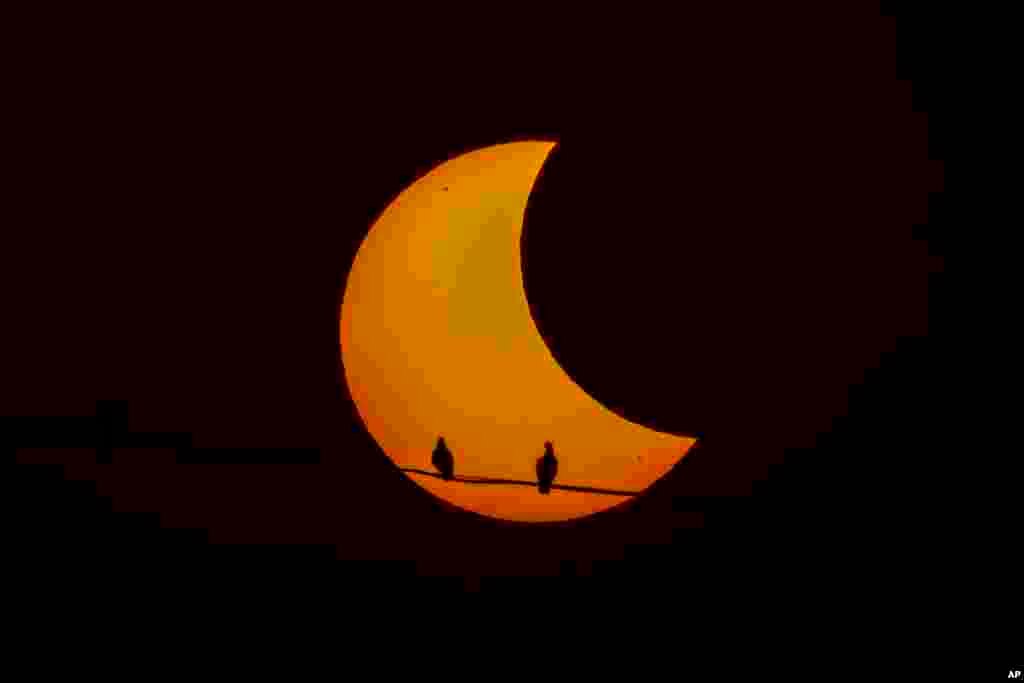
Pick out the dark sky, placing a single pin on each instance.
(722, 243)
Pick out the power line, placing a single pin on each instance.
(520, 482)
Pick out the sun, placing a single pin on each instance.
(438, 339)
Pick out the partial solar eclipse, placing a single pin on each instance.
(437, 339)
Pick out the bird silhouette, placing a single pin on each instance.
(547, 468)
(443, 460)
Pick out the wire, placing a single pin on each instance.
(520, 482)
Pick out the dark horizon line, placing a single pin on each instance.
(521, 482)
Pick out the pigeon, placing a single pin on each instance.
(443, 460)
(547, 468)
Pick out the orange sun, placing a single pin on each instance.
(437, 339)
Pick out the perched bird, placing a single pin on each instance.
(443, 460)
(547, 468)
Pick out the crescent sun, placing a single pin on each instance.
(437, 339)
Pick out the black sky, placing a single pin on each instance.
(730, 233)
